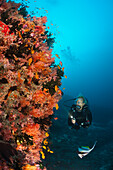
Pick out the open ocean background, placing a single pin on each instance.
(84, 41)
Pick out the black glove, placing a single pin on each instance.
(7, 151)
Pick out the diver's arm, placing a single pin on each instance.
(72, 116)
(71, 119)
(88, 119)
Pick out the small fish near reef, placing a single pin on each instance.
(85, 150)
(57, 106)
(55, 118)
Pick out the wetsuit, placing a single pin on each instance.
(83, 118)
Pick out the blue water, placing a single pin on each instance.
(84, 42)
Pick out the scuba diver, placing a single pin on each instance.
(79, 115)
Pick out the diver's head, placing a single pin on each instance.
(80, 102)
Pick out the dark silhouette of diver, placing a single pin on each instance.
(79, 115)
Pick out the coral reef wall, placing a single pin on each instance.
(29, 84)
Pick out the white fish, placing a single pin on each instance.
(84, 150)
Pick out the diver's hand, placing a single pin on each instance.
(7, 151)
(73, 120)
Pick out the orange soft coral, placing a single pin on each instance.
(28, 79)
(31, 129)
